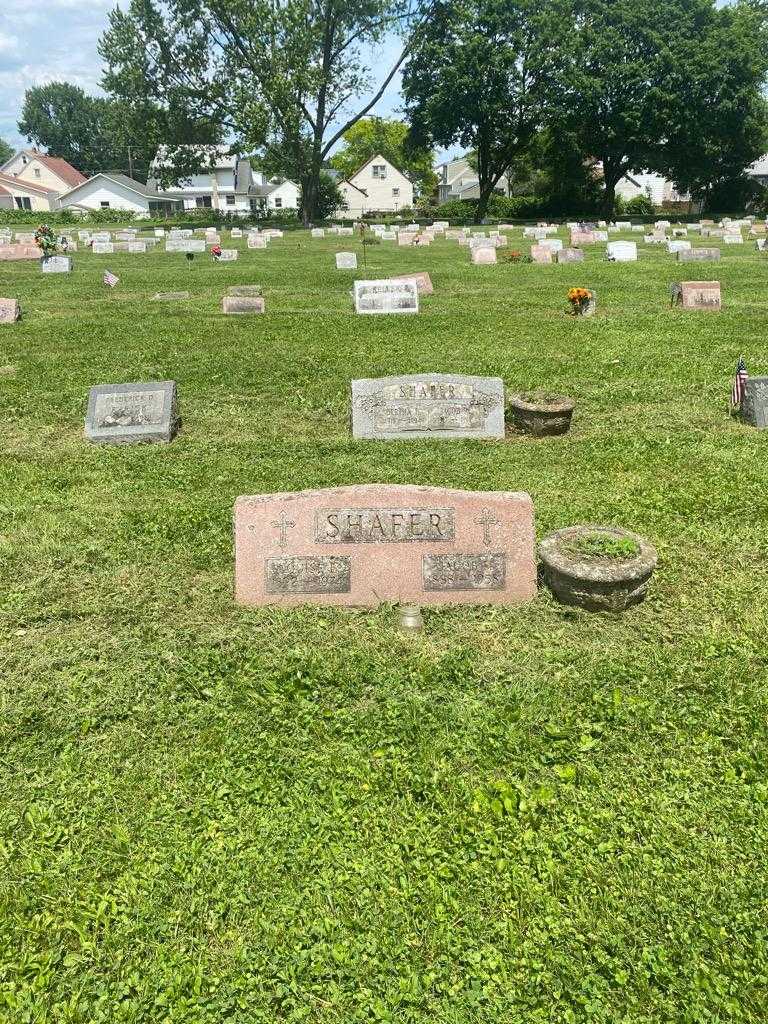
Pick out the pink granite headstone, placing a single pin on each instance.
(375, 543)
(541, 254)
(697, 295)
(422, 279)
(9, 311)
(19, 251)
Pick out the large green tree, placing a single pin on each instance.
(479, 78)
(6, 151)
(641, 82)
(281, 78)
(62, 119)
(372, 135)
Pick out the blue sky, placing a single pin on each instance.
(55, 40)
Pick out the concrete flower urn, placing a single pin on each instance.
(542, 415)
(599, 568)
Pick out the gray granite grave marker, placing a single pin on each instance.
(428, 405)
(131, 413)
(754, 406)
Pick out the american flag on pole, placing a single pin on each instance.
(110, 279)
(737, 392)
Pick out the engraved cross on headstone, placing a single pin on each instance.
(486, 519)
(283, 525)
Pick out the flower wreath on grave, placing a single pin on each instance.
(515, 256)
(579, 299)
(46, 241)
(216, 252)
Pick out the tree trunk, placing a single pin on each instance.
(482, 203)
(609, 197)
(308, 198)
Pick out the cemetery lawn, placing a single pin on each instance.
(216, 814)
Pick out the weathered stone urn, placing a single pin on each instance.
(600, 568)
(542, 415)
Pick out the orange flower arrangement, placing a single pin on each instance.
(579, 298)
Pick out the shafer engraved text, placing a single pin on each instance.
(383, 525)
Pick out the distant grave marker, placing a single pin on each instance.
(704, 295)
(383, 296)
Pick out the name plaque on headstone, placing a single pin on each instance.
(375, 543)
(386, 297)
(131, 413)
(754, 406)
(438, 405)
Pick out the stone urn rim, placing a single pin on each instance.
(531, 401)
(554, 553)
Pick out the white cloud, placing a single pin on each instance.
(41, 43)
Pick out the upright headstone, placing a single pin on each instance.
(130, 413)
(541, 254)
(10, 311)
(346, 261)
(371, 543)
(227, 256)
(257, 242)
(570, 256)
(486, 255)
(386, 296)
(696, 294)
(422, 279)
(317, 233)
(245, 290)
(440, 405)
(754, 406)
(678, 245)
(622, 252)
(19, 251)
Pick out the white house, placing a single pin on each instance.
(227, 183)
(758, 171)
(457, 180)
(377, 187)
(113, 191)
(654, 186)
(35, 181)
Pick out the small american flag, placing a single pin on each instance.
(737, 392)
(110, 279)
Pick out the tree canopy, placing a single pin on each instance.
(277, 78)
(477, 77)
(6, 151)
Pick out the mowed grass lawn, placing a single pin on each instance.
(216, 814)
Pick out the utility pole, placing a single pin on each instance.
(130, 163)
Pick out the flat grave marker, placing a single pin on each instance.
(10, 311)
(242, 304)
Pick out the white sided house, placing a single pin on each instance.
(655, 187)
(113, 191)
(457, 180)
(378, 187)
(227, 183)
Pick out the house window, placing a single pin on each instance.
(230, 200)
(37, 172)
(203, 202)
(23, 203)
(379, 170)
(278, 203)
(104, 204)
(395, 192)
